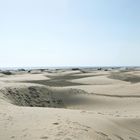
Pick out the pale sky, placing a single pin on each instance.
(69, 33)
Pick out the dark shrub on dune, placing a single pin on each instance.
(99, 69)
(7, 72)
(42, 70)
(21, 69)
(29, 71)
(75, 69)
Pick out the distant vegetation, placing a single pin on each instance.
(7, 72)
(75, 69)
(42, 70)
(99, 69)
(21, 69)
(29, 71)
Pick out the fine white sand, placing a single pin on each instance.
(70, 105)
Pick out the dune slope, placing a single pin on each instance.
(69, 105)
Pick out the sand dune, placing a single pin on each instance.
(70, 105)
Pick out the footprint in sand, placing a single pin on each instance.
(12, 137)
(56, 123)
(100, 113)
(103, 135)
(44, 137)
(132, 138)
(83, 111)
(119, 137)
(24, 129)
(67, 139)
(25, 135)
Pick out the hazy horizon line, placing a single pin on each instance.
(64, 67)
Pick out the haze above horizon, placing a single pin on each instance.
(69, 33)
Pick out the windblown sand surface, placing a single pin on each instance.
(70, 105)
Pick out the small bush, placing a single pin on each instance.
(7, 72)
(29, 71)
(99, 69)
(21, 69)
(75, 69)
